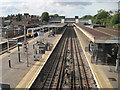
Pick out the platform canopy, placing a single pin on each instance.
(55, 25)
(98, 36)
(58, 25)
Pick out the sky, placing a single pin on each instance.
(68, 8)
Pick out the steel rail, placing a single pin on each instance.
(82, 64)
(61, 75)
(78, 65)
(58, 61)
(53, 63)
(73, 64)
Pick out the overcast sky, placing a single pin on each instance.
(69, 8)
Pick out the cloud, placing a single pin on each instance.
(11, 9)
(65, 7)
(74, 3)
(94, 1)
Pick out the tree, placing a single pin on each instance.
(110, 12)
(62, 17)
(101, 17)
(51, 16)
(115, 19)
(105, 18)
(55, 15)
(102, 14)
(45, 17)
(87, 17)
(19, 17)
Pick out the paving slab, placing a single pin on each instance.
(19, 70)
(102, 72)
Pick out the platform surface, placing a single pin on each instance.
(98, 36)
(19, 70)
(29, 78)
(103, 73)
(108, 31)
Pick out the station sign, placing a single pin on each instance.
(20, 43)
(41, 33)
(108, 38)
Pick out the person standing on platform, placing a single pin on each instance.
(117, 60)
(91, 49)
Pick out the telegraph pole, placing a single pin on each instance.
(26, 44)
(19, 53)
(8, 46)
(9, 54)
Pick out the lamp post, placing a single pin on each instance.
(8, 46)
(19, 44)
(9, 53)
(26, 44)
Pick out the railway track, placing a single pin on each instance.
(66, 68)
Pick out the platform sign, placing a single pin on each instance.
(108, 38)
(20, 43)
(41, 33)
(18, 29)
(36, 57)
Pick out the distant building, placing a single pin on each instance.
(1, 21)
(70, 20)
(26, 16)
(6, 22)
(34, 17)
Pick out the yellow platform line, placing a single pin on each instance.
(93, 70)
(34, 75)
(39, 68)
(103, 75)
(27, 75)
(41, 63)
(88, 60)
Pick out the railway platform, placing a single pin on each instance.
(3, 41)
(67, 69)
(19, 75)
(104, 74)
(27, 81)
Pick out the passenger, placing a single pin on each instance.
(91, 47)
(113, 52)
(117, 60)
(94, 53)
(92, 57)
(53, 33)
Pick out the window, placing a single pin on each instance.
(29, 31)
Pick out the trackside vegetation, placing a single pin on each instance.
(106, 18)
